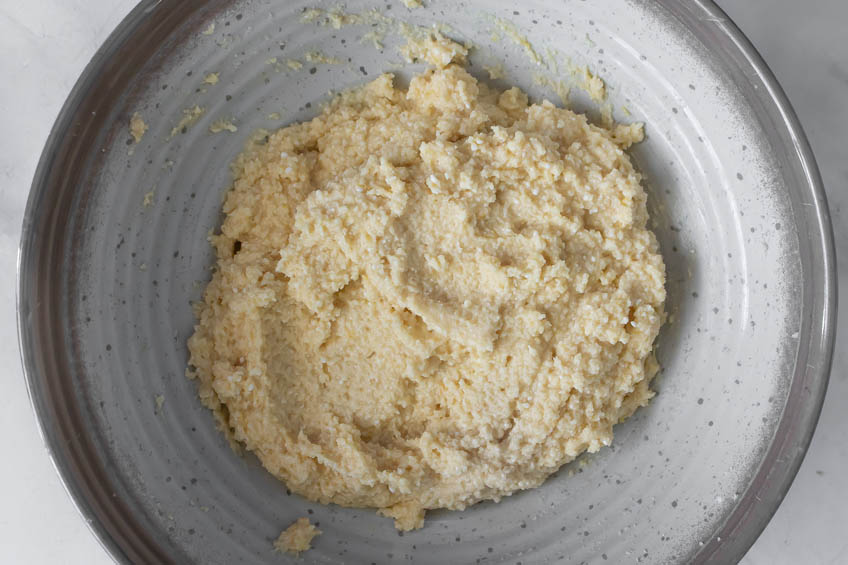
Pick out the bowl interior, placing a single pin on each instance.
(134, 256)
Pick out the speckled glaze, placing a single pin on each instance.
(107, 282)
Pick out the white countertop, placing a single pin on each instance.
(45, 44)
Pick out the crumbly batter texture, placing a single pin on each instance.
(297, 538)
(430, 297)
(137, 127)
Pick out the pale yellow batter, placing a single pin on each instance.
(137, 127)
(297, 538)
(431, 297)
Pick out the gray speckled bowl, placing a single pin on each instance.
(106, 284)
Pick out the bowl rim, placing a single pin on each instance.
(785, 453)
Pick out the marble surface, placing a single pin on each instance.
(45, 44)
